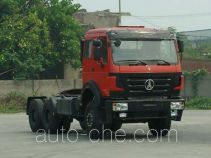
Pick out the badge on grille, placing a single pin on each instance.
(149, 84)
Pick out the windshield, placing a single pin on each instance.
(145, 51)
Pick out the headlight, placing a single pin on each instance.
(120, 106)
(177, 105)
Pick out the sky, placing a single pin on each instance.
(184, 15)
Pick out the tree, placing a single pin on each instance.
(25, 44)
(7, 7)
(65, 31)
(35, 34)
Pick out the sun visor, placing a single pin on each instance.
(147, 35)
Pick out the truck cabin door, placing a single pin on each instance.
(87, 61)
(100, 67)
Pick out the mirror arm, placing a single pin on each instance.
(100, 61)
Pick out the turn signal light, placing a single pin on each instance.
(182, 83)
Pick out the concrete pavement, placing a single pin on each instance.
(191, 139)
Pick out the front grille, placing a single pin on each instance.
(135, 84)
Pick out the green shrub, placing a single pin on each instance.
(195, 77)
(200, 103)
(13, 102)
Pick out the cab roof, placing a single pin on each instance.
(133, 32)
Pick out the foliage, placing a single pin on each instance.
(197, 73)
(198, 50)
(37, 34)
(196, 76)
(21, 46)
(13, 102)
(199, 103)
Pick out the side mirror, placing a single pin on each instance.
(97, 43)
(180, 46)
(117, 42)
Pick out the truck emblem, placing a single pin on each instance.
(149, 68)
(149, 84)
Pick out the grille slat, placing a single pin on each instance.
(156, 91)
(143, 80)
(135, 84)
(143, 86)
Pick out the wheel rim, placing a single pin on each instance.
(89, 120)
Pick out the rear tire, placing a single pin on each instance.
(51, 122)
(35, 114)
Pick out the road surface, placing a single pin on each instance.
(190, 138)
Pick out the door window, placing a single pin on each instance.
(88, 49)
(103, 50)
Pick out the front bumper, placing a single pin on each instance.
(143, 110)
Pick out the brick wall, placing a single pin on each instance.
(190, 65)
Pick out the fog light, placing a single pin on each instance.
(173, 113)
(120, 107)
(122, 115)
(177, 105)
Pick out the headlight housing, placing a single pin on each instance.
(177, 105)
(120, 106)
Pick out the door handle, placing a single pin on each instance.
(92, 69)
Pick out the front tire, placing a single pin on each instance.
(160, 127)
(115, 126)
(92, 121)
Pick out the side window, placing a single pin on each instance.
(103, 51)
(88, 49)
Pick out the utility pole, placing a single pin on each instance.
(120, 13)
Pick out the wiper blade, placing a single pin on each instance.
(134, 62)
(163, 62)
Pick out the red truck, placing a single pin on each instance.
(130, 75)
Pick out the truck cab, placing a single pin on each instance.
(136, 73)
